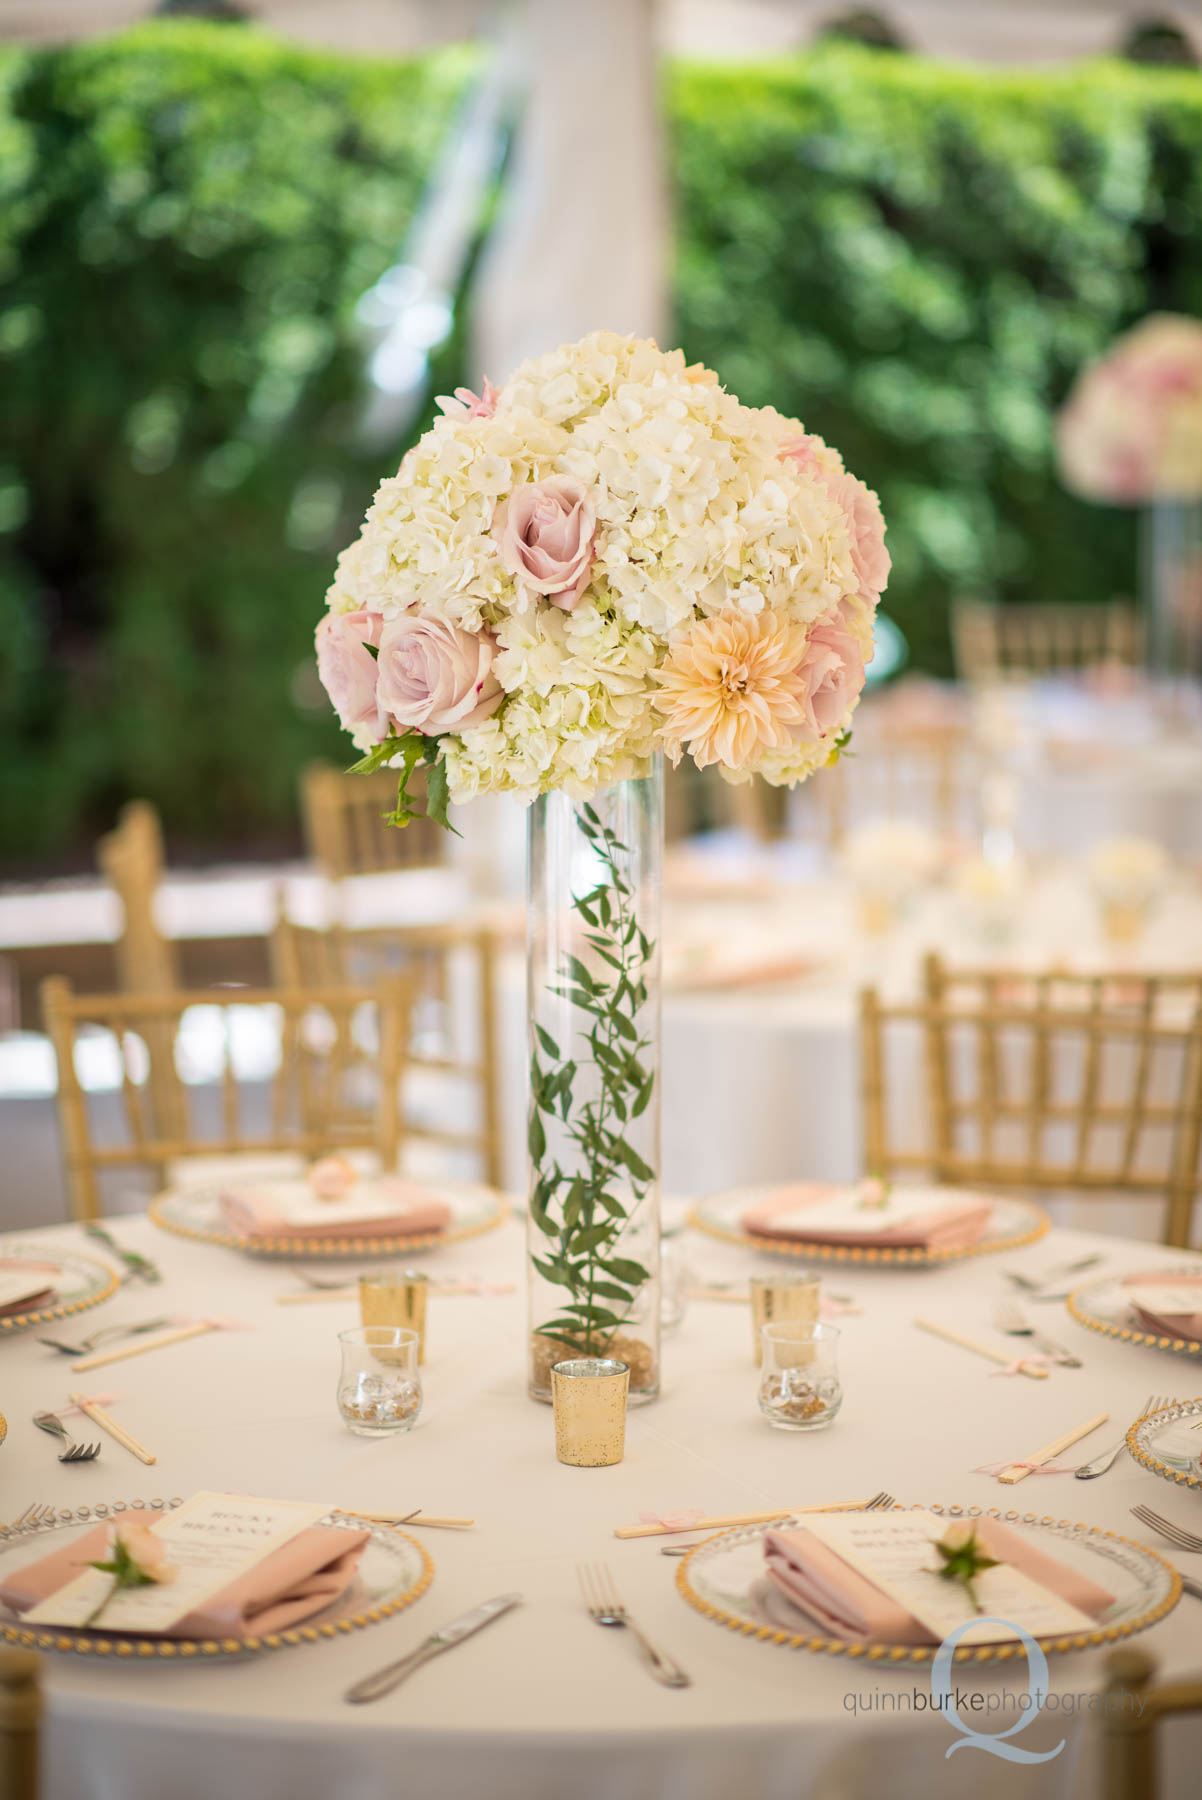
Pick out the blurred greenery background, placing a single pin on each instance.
(913, 258)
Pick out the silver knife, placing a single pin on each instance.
(1058, 1352)
(374, 1687)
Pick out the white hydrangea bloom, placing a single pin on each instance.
(701, 509)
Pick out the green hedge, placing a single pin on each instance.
(188, 214)
(913, 258)
(916, 258)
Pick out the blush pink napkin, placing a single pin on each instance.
(31, 1302)
(846, 1603)
(309, 1572)
(253, 1212)
(943, 1228)
(1174, 1325)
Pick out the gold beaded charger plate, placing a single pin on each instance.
(76, 1282)
(1169, 1442)
(395, 1570)
(723, 1578)
(196, 1213)
(1011, 1223)
(1103, 1306)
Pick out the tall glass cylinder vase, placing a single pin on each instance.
(1171, 584)
(594, 878)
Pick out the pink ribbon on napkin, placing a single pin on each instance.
(92, 1400)
(1024, 1362)
(673, 1521)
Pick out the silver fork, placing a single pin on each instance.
(74, 1453)
(1010, 1318)
(879, 1503)
(1034, 1284)
(601, 1599)
(1177, 1535)
(36, 1513)
(98, 1337)
(1101, 1463)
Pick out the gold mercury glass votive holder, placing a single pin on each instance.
(588, 1394)
(781, 1300)
(399, 1301)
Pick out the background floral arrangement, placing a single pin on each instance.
(1131, 429)
(608, 556)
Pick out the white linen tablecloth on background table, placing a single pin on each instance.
(544, 1704)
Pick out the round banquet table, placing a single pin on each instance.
(543, 1703)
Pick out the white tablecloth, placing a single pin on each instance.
(543, 1704)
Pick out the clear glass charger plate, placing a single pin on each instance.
(394, 1571)
(1011, 1224)
(1169, 1442)
(78, 1282)
(195, 1212)
(723, 1578)
(1103, 1306)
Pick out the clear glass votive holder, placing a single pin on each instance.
(588, 1394)
(782, 1299)
(386, 1298)
(799, 1376)
(380, 1384)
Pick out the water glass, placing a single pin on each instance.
(397, 1300)
(380, 1385)
(799, 1376)
(781, 1299)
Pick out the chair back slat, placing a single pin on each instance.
(425, 955)
(1049, 1123)
(344, 825)
(993, 642)
(287, 1083)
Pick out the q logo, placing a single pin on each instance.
(993, 1741)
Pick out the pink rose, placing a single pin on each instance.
(868, 553)
(546, 532)
(347, 669)
(830, 674)
(867, 527)
(434, 677)
(463, 404)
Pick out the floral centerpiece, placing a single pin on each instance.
(606, 558)
(1131, 429)
(1130, 434)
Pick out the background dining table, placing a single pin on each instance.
(543, 1703)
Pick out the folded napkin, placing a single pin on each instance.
(1174, 1324)
(37, 1296)
(933, 1221)
(712, 975)
(309, 1572)
(847, 1604)
(387, 1206)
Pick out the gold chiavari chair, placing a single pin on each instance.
(20, 1718)
(992, 642)
(252, 1071)
(1054, 1082)
(1134, 1708)
(131, 860)
(345, 833)
(927, 777)
(428, 957)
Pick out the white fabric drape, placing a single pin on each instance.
(582, 238)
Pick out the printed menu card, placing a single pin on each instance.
(896, 1552)
(210, 1540)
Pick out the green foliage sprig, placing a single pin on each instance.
(416, 751)
(580, 1209)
